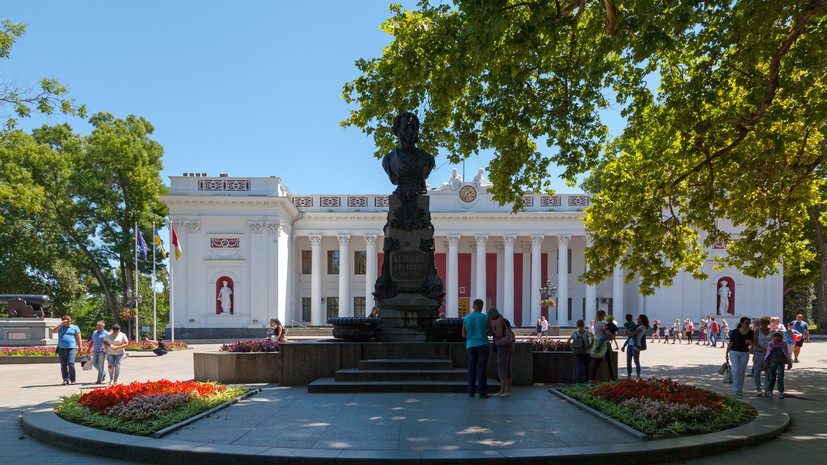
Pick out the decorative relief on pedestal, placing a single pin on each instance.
(329, 202)
(224, 185)
(528, 200)
(381, 201)
(193, 226)
(303, 202)
(224, 243)
(563, 240)
(357, 202)
(256, 227)
(550, 201)
(578, 200)
(316, 239)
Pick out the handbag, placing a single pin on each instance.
(642, 345)
(727, 378)
(508, 336)
(723, 368)
(86, 363)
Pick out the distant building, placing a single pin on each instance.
(306, 258)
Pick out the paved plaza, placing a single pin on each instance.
(288, 417)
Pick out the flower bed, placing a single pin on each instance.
(265, 345)
(143, 408)
(550, 345)
(144, 345)
(28, 352)
(662, 408)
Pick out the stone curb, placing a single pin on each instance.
(600, 415)
(177, 426)
(43, 424)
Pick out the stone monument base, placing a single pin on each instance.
(24, 332)
(408, 318)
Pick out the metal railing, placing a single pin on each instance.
(293, 324)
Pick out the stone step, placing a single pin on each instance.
(330, 385)
(405, 364)
(454, 374)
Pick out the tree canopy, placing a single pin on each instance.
(724, 101)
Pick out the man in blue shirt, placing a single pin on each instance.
(475, 332)
(67, 344)
(98, 351)
(801, 326)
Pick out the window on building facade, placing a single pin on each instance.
(360, 260)
(332, 262)
(359, 306)
(307, 260)
(332, 306)
(306, 309)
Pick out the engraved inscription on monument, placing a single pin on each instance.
(409, 266)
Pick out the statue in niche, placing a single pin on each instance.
(453, 184)
(481, 183)
(408, 166)
(224, 297)
(723, 298)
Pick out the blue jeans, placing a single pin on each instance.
(581, 366)
(757, 367)
(98, 361)
(632, 354)
(477, 364)
(67, 364)
(713, 339)
(114, 362)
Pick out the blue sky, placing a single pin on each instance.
(245, 88)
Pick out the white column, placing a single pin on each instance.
(481, 285)
(590, 291)
(345, 305)
(452, 305)
(316, 281)
(563, 280)
(617, 293)
(370, 272)
(526, 284)
(534, 292)
(508, 277)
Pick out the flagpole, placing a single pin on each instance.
(154, 300)
(171, 307)
(137, 292)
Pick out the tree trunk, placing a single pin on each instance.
(821, 291)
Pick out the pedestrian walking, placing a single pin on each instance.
(740, 341)
(544, 326)
(724, 332)
(475, 332)
(676, 332)
(656, 330)
(96, 348)
(801, 326)
(760, 341)
(688, 328)
(714, 329)
(68, 342)
(115, 342)
(606, 335)
(777, 356)
(637, 343)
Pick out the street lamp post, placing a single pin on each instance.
(547, 292)
(132, 302)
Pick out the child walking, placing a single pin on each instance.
(777, 356)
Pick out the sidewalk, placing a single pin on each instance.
(28, 385)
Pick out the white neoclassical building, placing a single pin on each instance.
(254, 251)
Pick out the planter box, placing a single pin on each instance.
(237, 367)
(20, 359)
(558, 367)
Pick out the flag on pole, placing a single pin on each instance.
(159, 242)
(175, 244)
(142, 244)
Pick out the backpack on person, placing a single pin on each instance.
(579, 343)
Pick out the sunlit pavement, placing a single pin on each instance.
(25, 386)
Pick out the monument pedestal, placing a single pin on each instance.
(409, 291)
(21, 332)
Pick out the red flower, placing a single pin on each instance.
(101, 399)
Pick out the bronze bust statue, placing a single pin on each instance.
(408, 166)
